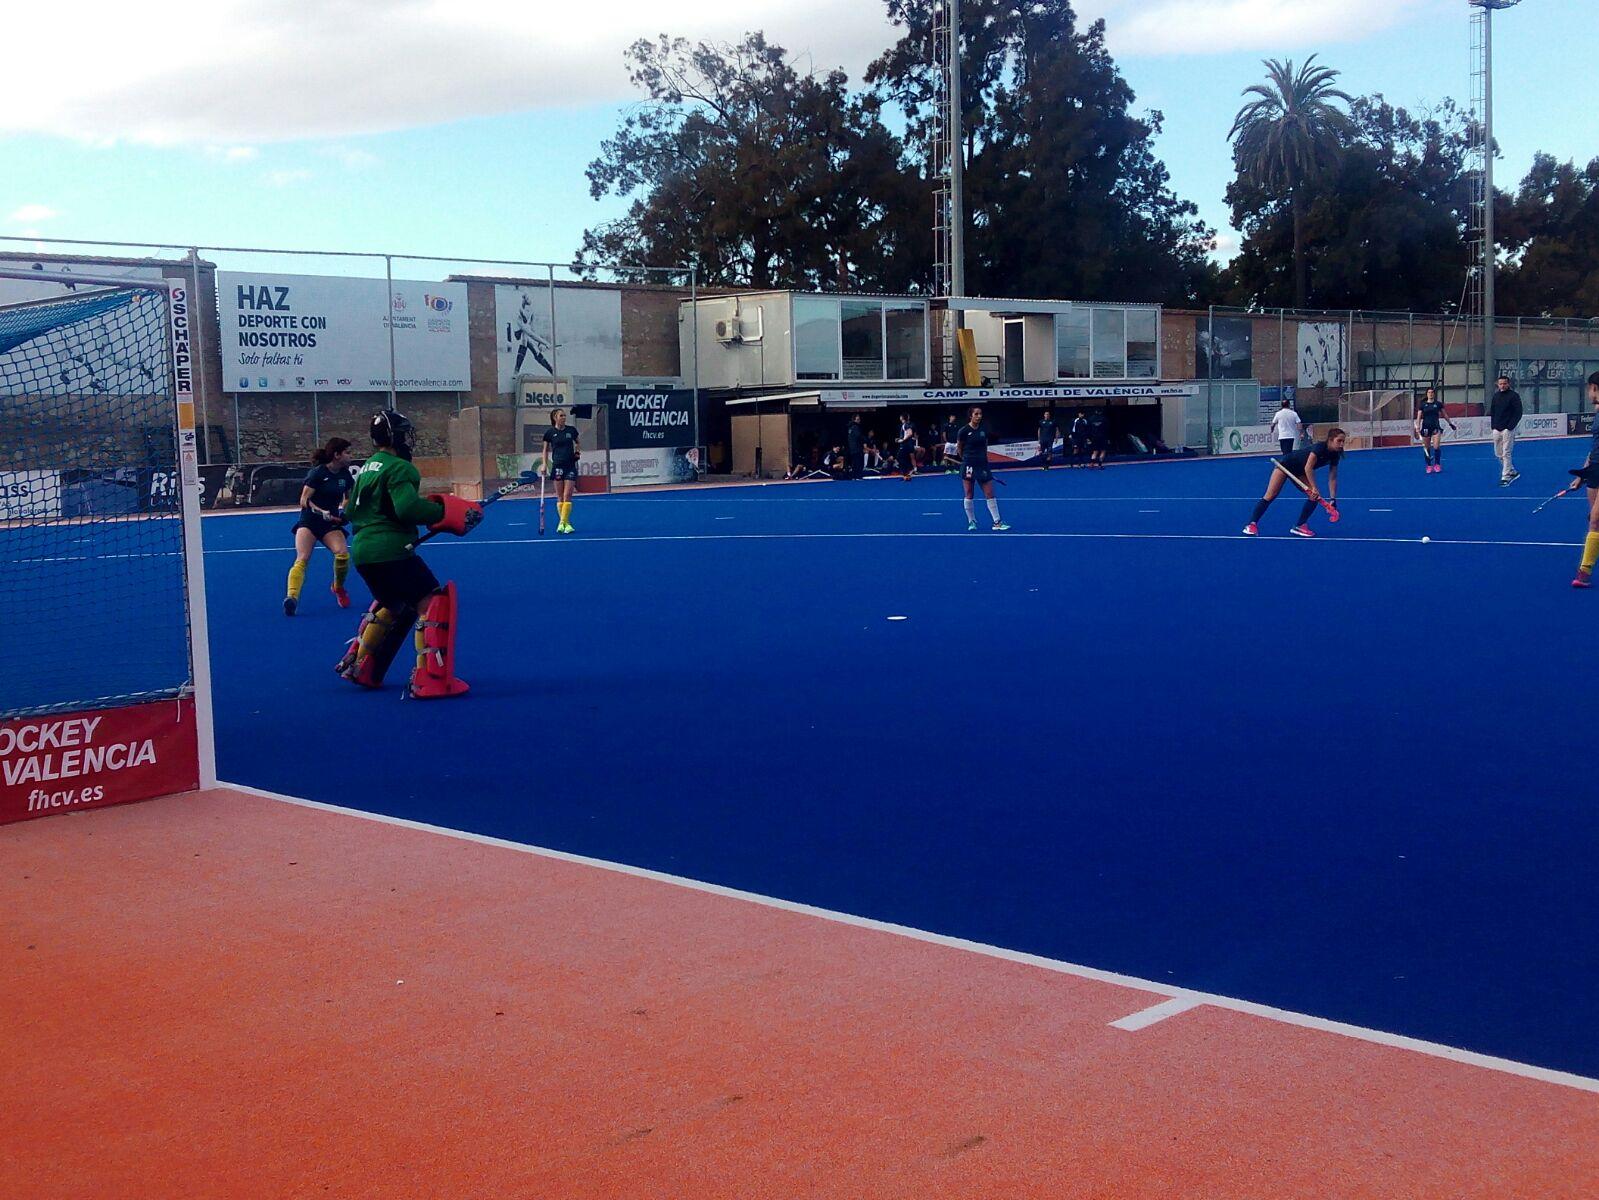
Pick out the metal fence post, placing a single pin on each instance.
(388, 319)
(1210, 379)
(694, 333)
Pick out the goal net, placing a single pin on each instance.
(99, 535)
(1373, 413)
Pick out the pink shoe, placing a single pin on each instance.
(1251, 529)
(1302, 531)
(1584, 579)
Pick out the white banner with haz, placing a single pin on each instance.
(306, 333)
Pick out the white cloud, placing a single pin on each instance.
(233, 154)
(1271, 26)
(286, 177)
(351, 158)
(225, 72)
(234, 74)
(30, 214)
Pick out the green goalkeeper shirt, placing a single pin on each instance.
(385, 509)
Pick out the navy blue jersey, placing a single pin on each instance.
(952, 431)
(562, 442)
(973, 445)
(1297, 461)
(329, 487)
(1431, 413)
(907, 436)
(1593, 451)
(1080, 429)
(1046, 432)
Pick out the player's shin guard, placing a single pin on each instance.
(434, 676)
(341, 569)
(296, 579)
(1260, 511)
(376, 642)
(1305, 512)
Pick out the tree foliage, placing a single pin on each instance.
(1289, 137)
(1064, 193)
(1383, 223)
(756, 174)
(1551, 231)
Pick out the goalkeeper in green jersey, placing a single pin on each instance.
(385, 509)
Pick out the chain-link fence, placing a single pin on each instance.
(1248, 361)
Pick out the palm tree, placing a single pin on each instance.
(1288, 135)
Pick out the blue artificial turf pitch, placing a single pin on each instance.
(1352, 777)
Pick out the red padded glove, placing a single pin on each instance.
(460, 516)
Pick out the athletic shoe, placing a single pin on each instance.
(1000, 526)
(1504, 482)
(971, 526)
(564, 529)
(1514, 475)
(1437, 468)
(289, 605)
(1584, 579)
(1302, 531)
(1251, 529)
(342, 596)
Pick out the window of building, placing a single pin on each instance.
(1143, 334)
(862, 332)
(1072, 337)
(906, 340)
(859, 340)
(816, 342)
(1110, 343)
(1107, 343)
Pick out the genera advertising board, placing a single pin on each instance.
(68, 761)
(307, 333)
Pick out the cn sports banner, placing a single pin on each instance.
(27, 495)
(307, 333)
(646, 418)
(69, 761)
(1321, 354)
(584, 339)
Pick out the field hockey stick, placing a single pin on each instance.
(1327, 506)
(541, 503)
(1581, 478)
(521, 481)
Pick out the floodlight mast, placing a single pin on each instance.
(1490, 364)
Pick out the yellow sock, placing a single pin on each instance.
(1590, 551)
(341, 569)
(566, 513)
(296, 578)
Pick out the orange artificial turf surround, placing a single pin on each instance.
(200, 997)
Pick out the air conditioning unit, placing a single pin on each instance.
(729, 329)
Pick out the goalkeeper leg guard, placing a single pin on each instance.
(375, 644)
(434, 676)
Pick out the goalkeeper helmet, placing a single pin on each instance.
(393, 429)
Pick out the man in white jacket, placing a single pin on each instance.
(1287, 426)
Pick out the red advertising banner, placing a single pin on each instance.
(66, 761)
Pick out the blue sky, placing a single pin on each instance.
(379, 125)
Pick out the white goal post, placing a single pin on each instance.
(108, 681)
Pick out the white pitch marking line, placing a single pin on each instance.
(470, 543)
(1149, 510)
(1379, 510)
(1145, 1017)
(1285, 1016)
